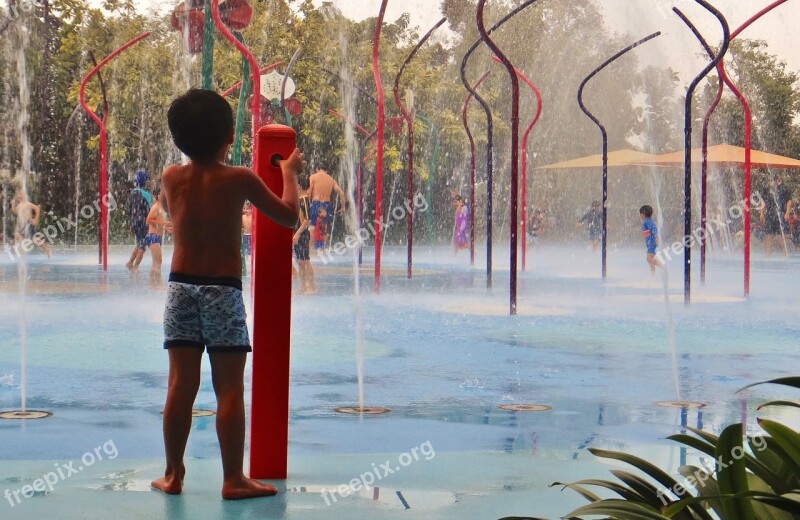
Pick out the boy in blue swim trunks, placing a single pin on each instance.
(157, 223)
(650, 233)
(204, 298)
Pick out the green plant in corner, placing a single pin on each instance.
(757, 482)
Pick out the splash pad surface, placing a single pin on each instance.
(437, 354)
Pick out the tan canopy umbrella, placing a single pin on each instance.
(722, 153)
(731, 155)
(617, 158)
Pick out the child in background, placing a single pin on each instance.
(321, 228)
(650, 233)
(205, 308)
(594, 220)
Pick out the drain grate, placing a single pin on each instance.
(25, 414)
(691, 405)
(525, 407)
(362, 410)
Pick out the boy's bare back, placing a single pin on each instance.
(204, 201)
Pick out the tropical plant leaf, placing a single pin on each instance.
(779, 475)
(706, 487)
(653, 471)
(620, 509)
(793, 381)
(761, 510)
(783, 503)
(708, 437)
(622, 491)
(732, 474)
(786, 441)
(767, 473)
(792, 404)
(649, 493)
(585, 493)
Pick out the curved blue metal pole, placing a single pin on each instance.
(687, 145)
(514, 155)
(604, 240)
(489, 135)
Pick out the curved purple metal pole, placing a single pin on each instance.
(376, 74)
(489, 135)
(103, 146)
(471, 169)
(687, 161)
(523, 218)
(747, 146)
(514, 155)
(604, 240)
(410, 125)
(704, 164)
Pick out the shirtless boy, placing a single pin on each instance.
(320, 187)
(204, 298)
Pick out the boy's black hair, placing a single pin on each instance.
(201, 122)
(302, 181)
(646, 210)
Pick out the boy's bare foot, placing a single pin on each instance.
(130, 267)
(170, 484)
(246, 488)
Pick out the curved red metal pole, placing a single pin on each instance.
(105, 118)
(376, 74)
(467, 99)
(103, 147)
(256, 76)
(410, 125)
(524, 161)
(747, 147)
(514, 155)
(349, 122)
(263, 70)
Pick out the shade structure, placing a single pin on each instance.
(625, 157)
(722, 153)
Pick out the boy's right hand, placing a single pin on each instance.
(294, 163)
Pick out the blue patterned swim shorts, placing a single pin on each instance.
(205, 313)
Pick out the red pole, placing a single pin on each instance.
(376, 73)
(471, 169)
(524, 159)
(747, 147)
(103, 147)
(272, 312)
